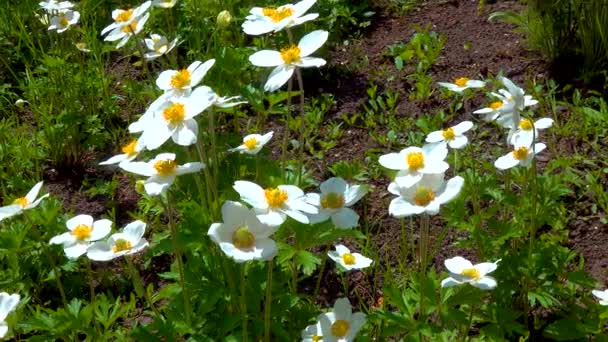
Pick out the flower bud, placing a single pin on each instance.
(223, 19)
(139, 187)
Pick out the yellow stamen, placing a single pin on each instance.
(129, 149)
(424, 196)
(251, 143)
(165, 167)
(520, 153)
(471, 273)
(131, 28)
(22, 201)
(243, 239)
(275, 197)
(290, 54)
(121, 245)
(317, 338)
(496, 105)
(461, 82)
(525, 124)
(124, 16)
(448, 134)
(64, 22)
(332, 200)
(175, 113)
(82, 231)
(415, 160)
(181, 79)
(340, 328)
(348, 259)
(277, 15)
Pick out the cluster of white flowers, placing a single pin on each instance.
(60, 15)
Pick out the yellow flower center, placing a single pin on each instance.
(290, 54)
(124, 16)
(332, 200)
(525, 124)
(461, 82)
(181, 79)
(275, 197)
(131, 28)
(243, 239)
(251, 143)
(129, 149)
(22, 201)
(520, 153)
(81, 46)
(415, 160)
(348, 259)
(424, 196)
(496, 105)
(277, 15)
(82, 231)
(340, 328)
(448, 133)
(175, 113)
(317, 338)
(165, 167)
(471, 273)
(64, 22)
(121, 245)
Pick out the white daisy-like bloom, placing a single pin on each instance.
(273, 205)
(269, 19)
(142, 122)
(288, 59)
(161, 171)
(602, 296)
(8, 304)
(426, 196)
(312, 333)
(517, 95)
(463, 271)
(64, 20)
(503, 105)
(158, 45)
(347, 260)
(82, 46)
(453, 136)
(180, 82)
(253, 143)
(124, 17)
(334, 201)
(460, 84)
(82, 231)
(26, 202)
(414, 162)
(521, 155)
(125, 32)
(53, 6)
(341, 324)
(175, 119)
(127, 242)
(242, 236)
(527, 130)
(129, 153)
(164, 3)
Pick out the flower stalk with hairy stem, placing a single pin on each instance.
(268, 301)
(243, 302)
(285, 142)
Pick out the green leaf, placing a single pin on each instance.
(307, 261)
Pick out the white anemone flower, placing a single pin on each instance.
(158, 45)
(82, 231)
(347, 260)
(527, 130)
(127, 242)
(269, 19)
(164, 3)
(142, 122)
(517, 95)
(313, 333)
(161, 171)
(253, 143)
(8, 304)
(426, 196)
(341, 324)
(273, 205)
(129, 153)
(461, 84)
(334, 201)
(53, 6)
(521, 155)
(602, 296)
(180, 82)
(463, 271)
(82, 46)
(454, 136)
(175, 119)
(290, 58)
(242, 236)
(26, 202)
(124, 17)
(414, 162)
(64, 20)
(124, 33)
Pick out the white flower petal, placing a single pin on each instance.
(312, 42)
(457, 264)
(266, 58)
(485, 283)
(72, 223)
(252, 194)
(506, 162)
(345, 218)
(452, 189)
(399, 208)
(76, 250)
(278, 77)
(462, 127)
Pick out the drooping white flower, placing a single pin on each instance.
(181, 82)
(253, 143)
(158, 45)
(127, 242)
(26, 202)
(242, 236)
(461, 84)
(290, 58)
(341, 324)
(334, 201)
(602, 296)
(313, 333)
(124, 17)
(522, 155)
(8, 304)
(161, 171)
(54, 6)
(426, 196)
(63, 20)
(347, 260)
(82, 231)
(527, 131)
(453, 136)
(463, 271)
(164, 3)
(129, 153)
(268, 19)
(414, 162)
(82, 46)
(517, 95)
(273, 205)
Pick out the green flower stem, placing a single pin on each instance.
(213, 158)
(243, 301)
(286, 131)
(199, 185)
(424, 241)
(323, 264)
(302, 128)
(268, 301)
(467, 327)
(92, 294)
(211, 187)
(138, 284)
